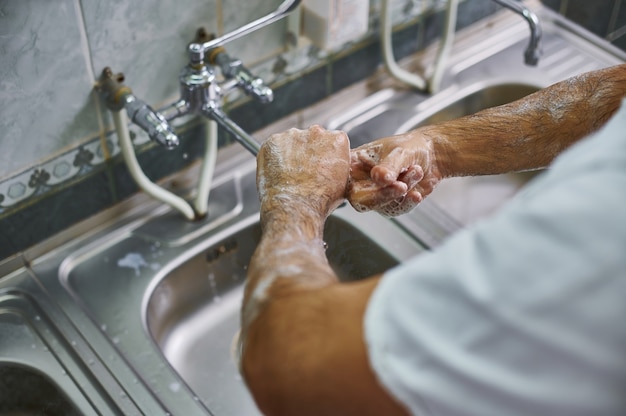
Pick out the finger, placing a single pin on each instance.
(366, 195)
(412, 176)
(368, 155)
(401, 205)
(388, 170)
(358, 171)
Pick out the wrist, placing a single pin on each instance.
(292, 216)
(434, 147)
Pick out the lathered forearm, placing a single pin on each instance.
(528, 133)
(290, 257)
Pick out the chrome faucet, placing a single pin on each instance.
(533, 51)
(200, 92)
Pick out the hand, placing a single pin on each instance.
(304, 166)
(393, 174)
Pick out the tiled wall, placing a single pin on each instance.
(59, 161)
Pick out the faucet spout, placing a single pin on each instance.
(215, 113)
(533, 51)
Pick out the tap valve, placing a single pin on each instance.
(152, 122)
(233, 68)
(118, 96)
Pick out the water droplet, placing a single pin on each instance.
(91, 361)
(122, 394)
(46, 349)
(185, 156)
(64, 372)
(73, 343)
(33, 346)
(116, 340)
(37, 318)
(174, 386)
(196, 398)
(103, 327)
(325, 245)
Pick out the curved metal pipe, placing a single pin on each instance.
(533, 51)
(246, 140)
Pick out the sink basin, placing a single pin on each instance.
(166, 294)
(26, 391)
(193, 312)
(41, 371)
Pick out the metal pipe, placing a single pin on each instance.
(533, 51)
(240, 134)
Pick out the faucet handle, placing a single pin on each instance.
(233, 68)
(256, 88)
(118, 96)
(152, 122)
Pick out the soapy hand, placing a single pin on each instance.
(393, 174)
(304, 166)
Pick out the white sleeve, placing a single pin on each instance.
(523, 314)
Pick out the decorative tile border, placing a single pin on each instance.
(62, 170)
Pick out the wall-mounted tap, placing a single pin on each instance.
(200, 93)
(533, 51)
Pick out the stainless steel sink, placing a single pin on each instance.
(27, 391)
(193, 312)
(152, 301)
(163, 295)
(42, 371)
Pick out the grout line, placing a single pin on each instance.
(84, 39)
(219, 10)
(84, 43)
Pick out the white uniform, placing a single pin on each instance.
(523, 313)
